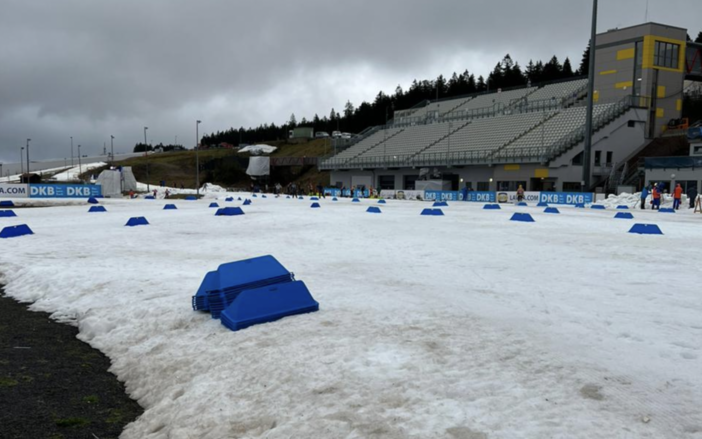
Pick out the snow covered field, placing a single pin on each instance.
(462, 326)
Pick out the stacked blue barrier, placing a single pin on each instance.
(355, 200)
(7, 213)
(491, 207)
(228, 199)
(433, 212)
(552, 210)
(597, 207)
(624, 215)
(315, 206)
(149, 197)
(440, 204)
(7, 203)
(137, 221)
(214, 205)
(522, 217)
(97, 209)
(373, 209)
(382, 202)
(646, 229)
(247, 202)
(170, 207)
(15, 231)
(229, 211)
(666, 210)
(622, 207)
(92, 200)
(542, 204)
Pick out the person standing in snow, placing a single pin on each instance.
(656, 198)
(520, 193)
(644, 195)
(677, 196)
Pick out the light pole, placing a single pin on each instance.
(197, 158)
(71, 151)
(112, 149)
(21, 163)
(590, 101)
(28, 140)
(448, 144)
(80, 165)
(146, 151)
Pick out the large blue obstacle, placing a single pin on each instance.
(191, 198)
(580, 205)
(170, 207)
(15, 231)
(522, 217)
(137, 221)
(238, 199)
(7, 203)
(624, 215)
(666, 210)
(552, 210)
(440, 204)
(315, 206)
(314, 199)
(254, 196)
(214, 205)
(229, 199)
(491, 207)
(646, 229)
(93, 200)
(267, 304)
(149, 197)
(264, 196)
(97, 209)
(522, 204)
(382, 202)
(355, 200)
(335, 199)
(247, 202)
(373, 209)
(221, 287)
(300, 197)
(597, 207)
(7, 213)
(542, 204)
(229, 211)
(432, 212)
(622, 207)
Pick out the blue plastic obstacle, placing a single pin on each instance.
(300, 198)
(433, 212)
(229, 199)
(335, 199)
(522, 217)
(7, 203)
(580, 206)
(97, 209)
(15, 231)
(315, 206)
(229, 211)
(373, 209)
(551, 210)
(170, 207)
(597, 207)
(440, 204)
(622, 207)
(491, 207)
(624, 215)
(355, 200)
(314, 199)
(522, 204)
(267, 304)
(220, 288)
(382, 202)
(646, 229)
(149, 197)
(288, 197)
(7, 213)
(137, 221)
(542, 204)
(213, 205)
(666, 210)
(247, 202)
(93, 200)
(238, 199)
(255, 196)
(263, 196)
(191, 198)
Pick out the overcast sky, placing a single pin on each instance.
(91, 69)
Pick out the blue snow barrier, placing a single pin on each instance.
(170, 207)
(646, 229)
(213, 205)
(7, 203)
(622, 207)
(300, 198)
(666, 210)
(255, 196)
(522, 204)
(432, 212)
(315, 206)
(355, 200)
(247, 202)
(191, 198)
(440, 204)
(624, 215)
(580, 206)
(542, 204)
(229, 199)
(238, 199)
(264, 196)
(149, 197)
(551, 210)
(223, 287)
(7, 213)
(522, 217)
(491, 207)
(382, 202)
(15, 231)
(314, 199)
(267, 304)
(373, 209)
(288, 197)
(229, 211)
(93, 200)
(597, 207)
(335, 199)
(97, 209)
(137, 221)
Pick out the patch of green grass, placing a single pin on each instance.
(8, 382)
(115, 417)
(91, 399)
(72, 422)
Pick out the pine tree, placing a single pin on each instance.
(292, 122)
(552, 69)
(472, 86)
(480, 86)
(567, 69)
(699, 38)
(585, 63)
(348, 110)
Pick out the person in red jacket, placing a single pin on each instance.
(677, 196)
(656, 198)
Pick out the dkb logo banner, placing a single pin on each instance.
(566, 197)
(14, 190)
(482, 197)
(64, 191)
(443, 196)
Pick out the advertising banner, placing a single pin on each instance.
(13, 190)
(402, 195)
(443, 196)
(481, 197)
(64, 191)
(511, 197)
(572, 198)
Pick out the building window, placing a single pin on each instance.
(666, 55)
(571, 186)
(386, 182)
(638, 68)
(483, 186)
(510, 186)
(609, 158)
(409, 182)
(598, 158)
(577, 160)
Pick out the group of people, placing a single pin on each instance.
(656, 191)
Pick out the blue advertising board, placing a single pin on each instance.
(332, 191)
(64, 191)
(443, 196)
(481, 197)
(357, 193)
(566, 198)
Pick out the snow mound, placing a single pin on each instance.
(634, 200)
(209, 187)
(258, 149)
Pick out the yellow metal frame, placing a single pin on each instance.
(649, 49)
